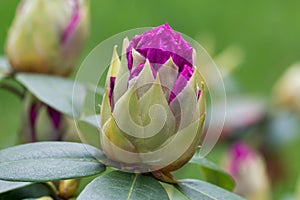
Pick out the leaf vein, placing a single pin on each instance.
(132, 186)
(62, 159)
(193, 188)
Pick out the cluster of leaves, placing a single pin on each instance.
(26, 170)
(49, 161)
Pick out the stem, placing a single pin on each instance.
(12, 89)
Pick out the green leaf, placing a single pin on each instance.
(173, 192)
(196, 189)
(33, 191)
(89, 130)
(46, 161)
(8, 185)
(119, 185)
(55, 91)
(213, 173)
(93, 120)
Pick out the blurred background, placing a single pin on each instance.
(253, 43)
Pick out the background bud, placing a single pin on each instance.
(287, 89)
(48, 36)
(248, 169)
(297, 197)
(41, 122)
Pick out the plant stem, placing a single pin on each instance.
(12, 89)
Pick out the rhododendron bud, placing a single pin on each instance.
(45, 198)
(40, 122)
(248, 169)
(154, 105)
(48, 36)
(287, 89)
(68, 188)
(298, 190)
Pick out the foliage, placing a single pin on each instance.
(48, 161)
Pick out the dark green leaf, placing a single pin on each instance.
(213, 173)
(55, 91)
(196, 189)
(189, 170)
(119, 185)
(32, 191)
(8, 185)
(45, 161)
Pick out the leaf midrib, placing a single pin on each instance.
(132, 186)
(38, 159)
(193, 188)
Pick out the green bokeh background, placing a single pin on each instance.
(266, 31)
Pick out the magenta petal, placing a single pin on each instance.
(181, 82)
(239, 153)
(72, 25)
(33, 115)
(33, 112)
(137, 70)
(55, 117)
(187, 72)
(159, 44)
(129, 58)
(199, 94)
(111, 90)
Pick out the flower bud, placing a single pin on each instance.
(298, 190)
(287, 89)
(248, 169)
(68, 188)
(48, 36)
(40, 122)
(154, 105)
(45, 198)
